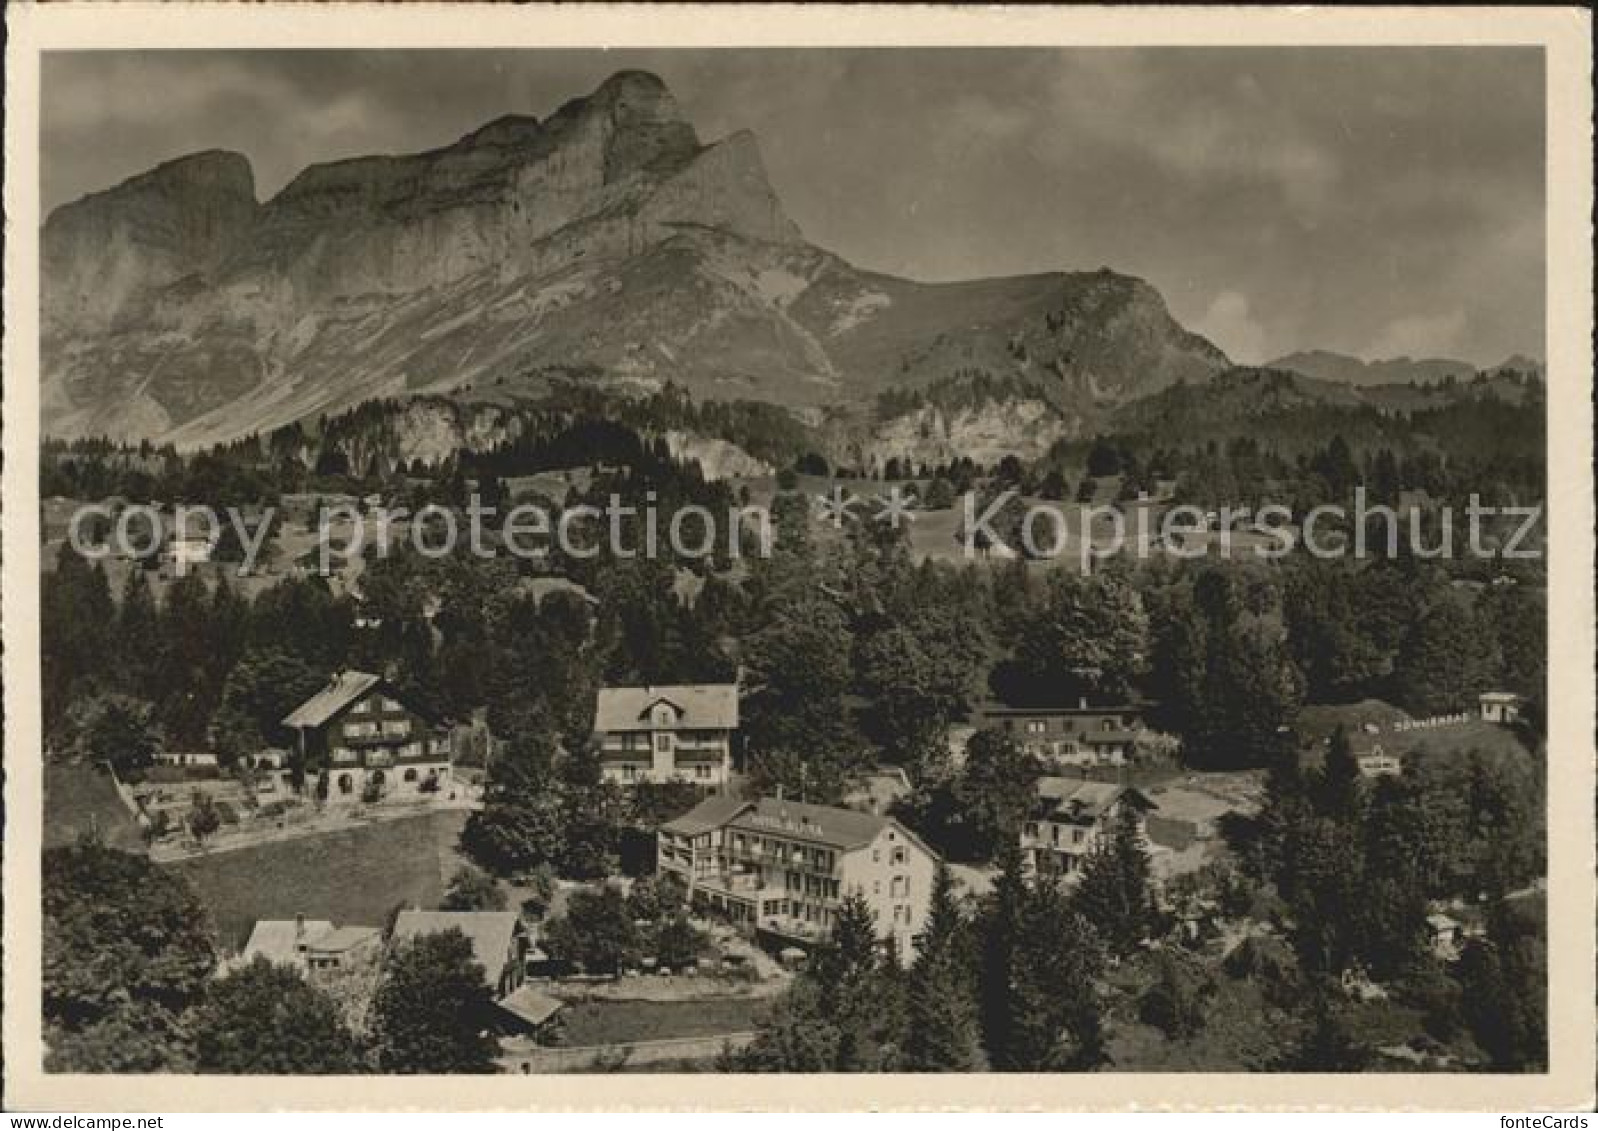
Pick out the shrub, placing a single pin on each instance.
(1177, 1001)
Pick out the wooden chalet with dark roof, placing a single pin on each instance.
(361, 732)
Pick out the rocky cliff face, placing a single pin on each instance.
(607, 238)
(103, 254)
(931, 436)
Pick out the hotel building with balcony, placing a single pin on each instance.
(783, 868)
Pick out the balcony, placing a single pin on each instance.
(789, 927)
(704, 746)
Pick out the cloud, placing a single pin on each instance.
(1419, 335)
(1230, 324)
(1204, 133)
(1337, 198)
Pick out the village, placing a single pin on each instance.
(740, 887)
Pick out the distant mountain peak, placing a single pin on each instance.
(1327, 365)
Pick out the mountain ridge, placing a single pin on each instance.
(607, 238)
(1329, 365)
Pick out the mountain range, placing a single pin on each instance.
(1324, 365)
(606, 240)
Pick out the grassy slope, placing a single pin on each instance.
(356, 876)
(78, 798)
(598, 1022)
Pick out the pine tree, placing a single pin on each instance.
(942, 1031)
(843, 1013)
(1115, 893)
(856, 990)
(1001, 938)
(1056, 1022)
(1338, 795)
(138, 640)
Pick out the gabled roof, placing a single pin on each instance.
(1499, 697)
(711, 813)
(342, 690)
(490, 933)
(837, 828)
(530, 1005)
(278, 940)
(1000, 708)
(698, 706)
(342, 939)
(842, 829)
(1073, 799)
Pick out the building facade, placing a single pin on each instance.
(368, 742)
(313, 945)
(1072, 818)
(784, 867)
(1079, 735)
(1499, 706)
(663, 734)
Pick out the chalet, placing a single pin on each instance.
(1499, 706)
(1062, 735)
(359, 731)
(662, 734)
(499, 941)
(1375, 762)
(311, 944)
(783, 868)
(1444, 935)
(1072, 818)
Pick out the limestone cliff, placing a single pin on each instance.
(606, 238)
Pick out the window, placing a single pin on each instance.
(663, 743)
(898, 855)
(876, 887)
(1037, 726)
(701, 771)
(361, 708)
(410, 774)
(396, 727)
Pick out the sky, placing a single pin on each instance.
(1374, 201)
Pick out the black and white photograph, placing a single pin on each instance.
(751, 560)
